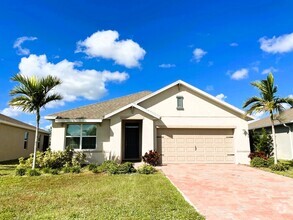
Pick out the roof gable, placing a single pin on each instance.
(207, 96)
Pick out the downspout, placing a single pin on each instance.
(290, 136)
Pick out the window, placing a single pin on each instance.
(81, 136)
(180, 103)
(25, 140)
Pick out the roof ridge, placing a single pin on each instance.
(113, 99)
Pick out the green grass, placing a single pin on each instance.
(90, 196)
(288, 173)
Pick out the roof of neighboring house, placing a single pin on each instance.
(284, 118)
(99, 110)
(13, 122)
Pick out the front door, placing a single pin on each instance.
(132, 141)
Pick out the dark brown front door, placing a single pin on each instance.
(132, 143)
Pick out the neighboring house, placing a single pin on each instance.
(283, 128)
(183, 123)
(17, 139)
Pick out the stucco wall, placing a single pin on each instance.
(12, 142)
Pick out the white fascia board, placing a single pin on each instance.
(197, 91)
(78, 120)
(50, 117)
(135, 106)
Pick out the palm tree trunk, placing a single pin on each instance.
(274, 139)
(36, 138)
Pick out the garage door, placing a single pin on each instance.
(196, 145)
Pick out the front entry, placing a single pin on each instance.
(132, 141)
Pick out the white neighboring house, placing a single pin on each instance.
(183, 123)
(283, 128)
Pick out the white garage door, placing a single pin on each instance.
(196, 145)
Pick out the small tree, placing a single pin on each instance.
(262, 142)
(31, 95)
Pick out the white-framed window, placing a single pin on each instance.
(25, 140)
(180, 103)
(39, 141)
(81, 136)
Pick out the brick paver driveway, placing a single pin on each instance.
(221, 191)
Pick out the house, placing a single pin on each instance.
(17, 139)
(283, 130)
(183, 123)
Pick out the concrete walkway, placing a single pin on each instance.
(221, 191)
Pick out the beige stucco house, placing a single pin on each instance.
(183, 123)
(17, 139)
(283, 129)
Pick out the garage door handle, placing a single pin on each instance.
(230, 154)
(195, 148)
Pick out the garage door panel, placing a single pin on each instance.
(196, 145)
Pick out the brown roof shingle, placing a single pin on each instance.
(15, 122)
(285, 117)
(98, 110)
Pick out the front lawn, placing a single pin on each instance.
(288, 173)
(90, 196)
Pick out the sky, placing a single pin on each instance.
(106, 49)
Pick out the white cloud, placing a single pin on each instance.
(88, 84)
(269, 70)
(234, 44)
(290, 96)
(19, 41)
(281, 44)
(221, 97)
(209, 88)
(198, 53)
(258, 115)
(11, 112)
(167, 65)
(105, 44)
(240, 74)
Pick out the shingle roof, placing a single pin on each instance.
(4, 118)
(285, 117)
(98, 110)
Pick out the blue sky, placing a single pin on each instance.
(106, 49)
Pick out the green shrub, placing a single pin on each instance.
(92, 166)
(270, 161)
(146, 169)
(279, 167)
(46, 170)
(20, 171)
(33, 172)
(262, 142)
(126, 167)
(54, 171)
(66, 169)
(108, 164)
(75, 169)
(258, 162)
(151, 157)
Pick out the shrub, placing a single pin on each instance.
(146, 169)
(262, 142)
(46, 170)
(125, 168)
(20, 171)
(279, 167)
(92, 166)
(108, 164)
(75, 169)
(33, 172)
(54, 171)
(260, 154)
(258, 162)
(270, 161)
(151, 157)
(66, 169)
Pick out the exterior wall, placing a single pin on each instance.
(12, 142)
(284, 148)
(109, 136)
(199, 113)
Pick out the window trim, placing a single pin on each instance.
(180, 101)
(25, 140)
(81, 136)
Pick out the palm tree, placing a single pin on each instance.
(267, 102)
(31, 95)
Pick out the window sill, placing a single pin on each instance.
(180, 109)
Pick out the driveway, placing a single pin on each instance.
(231, 191)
